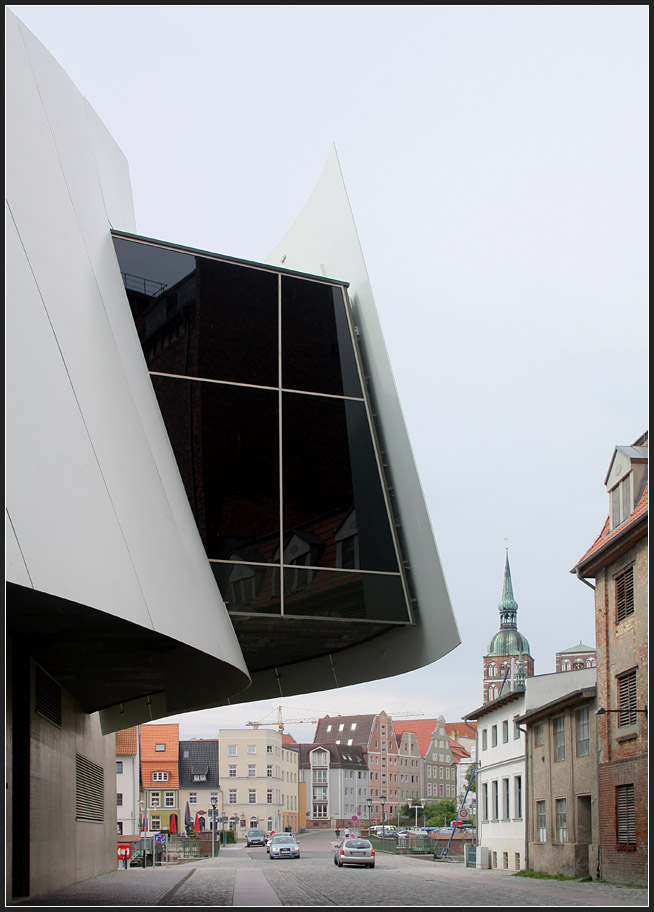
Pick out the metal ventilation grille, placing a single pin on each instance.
(89, 790)
(47, 697)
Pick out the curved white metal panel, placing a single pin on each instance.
(324, 241)
(98, 510)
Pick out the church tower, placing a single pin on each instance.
(508, 650)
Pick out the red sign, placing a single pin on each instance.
(124, 850)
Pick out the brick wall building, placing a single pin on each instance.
(618, 562)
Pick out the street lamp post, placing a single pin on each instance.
(214, 802)
(369, 803)
(382, 801)
(416, 806)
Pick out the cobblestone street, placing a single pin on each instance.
(247, 877)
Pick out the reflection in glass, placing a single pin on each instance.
(329, 470)
(226, 440)
(317, 349)
(202, 317)
(248, 587)
(329, 594)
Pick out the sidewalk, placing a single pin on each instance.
(227, 880)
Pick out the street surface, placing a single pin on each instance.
(247, 877)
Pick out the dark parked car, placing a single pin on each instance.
(354, 851)
(256, 836)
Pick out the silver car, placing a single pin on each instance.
(284, 845)
(354, 851)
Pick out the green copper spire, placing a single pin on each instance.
(508, 641)
(508, 604)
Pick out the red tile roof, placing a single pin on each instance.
(458, 751)
(423, 729)
(153, 761)
(458, 730)
(127, 740)
(606, 535)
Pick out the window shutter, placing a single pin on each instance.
(626, 815)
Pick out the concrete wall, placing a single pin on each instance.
(63, 849)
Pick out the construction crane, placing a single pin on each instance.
(281, 722)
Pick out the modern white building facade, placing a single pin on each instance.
(121, 607)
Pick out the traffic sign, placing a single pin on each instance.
(463, 813)
(124, 850)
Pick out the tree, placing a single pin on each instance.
(469, 772)
(440, 813)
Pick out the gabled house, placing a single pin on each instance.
(128, 771)
(618, 563)
(375, 735)
(199, 783)
(335, 779)
(160, 777)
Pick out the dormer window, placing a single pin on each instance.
(625, 481)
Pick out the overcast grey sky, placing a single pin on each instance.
(496, 161)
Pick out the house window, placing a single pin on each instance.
(192, 797)
(484, 739)
(582, 719)
(539, 735)
(627, 699)
(496, 800)
(516, 731)
(232, 770)
(269, 796)
(160, 747)
(155, 823)
(119, 799)
(252, 770)
(269, 749)
(505, 731)
(269, 771)
(252, 748)
(252, 796)
(505, 860)
(232, 750)
(232, 796)
(626, 815)
(558, 731)
(169, 799)
(518, 796)
(624, 594)
(494, 736)
(505, 799)
(155, 799)
(484, 801)
(119, 766)
(621, 502)
(541, 821)
(561, 820)
(160, 777)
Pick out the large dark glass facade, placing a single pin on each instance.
(258, 380)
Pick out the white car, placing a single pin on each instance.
(283, 845)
